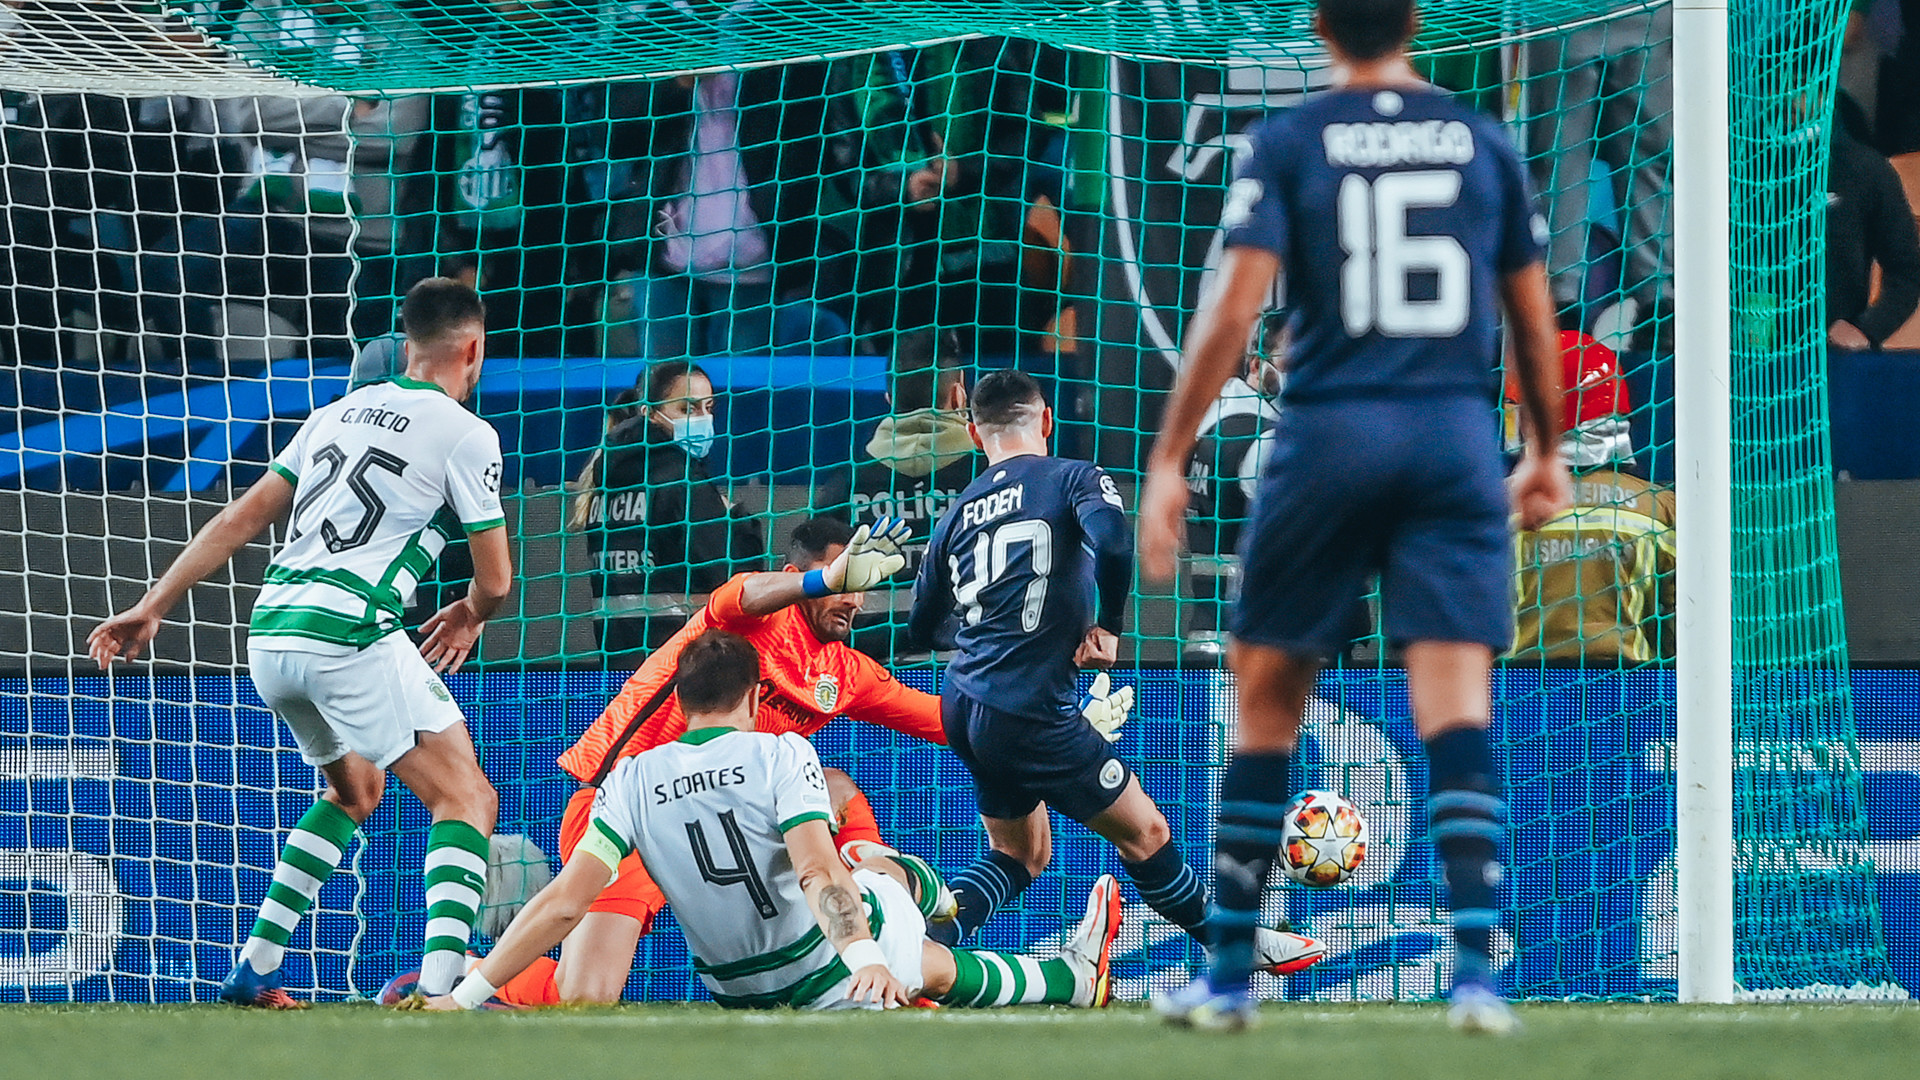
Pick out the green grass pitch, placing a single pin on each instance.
(670, 1042)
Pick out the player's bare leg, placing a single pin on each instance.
(596, 958)
(1028, 840)
(443, 772)
(1452, 701)
(355, 786)
(1079, 976)
(1273, 687)
(1017, 849)
(1273, 690)
(1138, 830)
(312, 852)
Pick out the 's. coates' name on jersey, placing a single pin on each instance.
(702, 780)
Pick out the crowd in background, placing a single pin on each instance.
(818, 208)
(912, 204)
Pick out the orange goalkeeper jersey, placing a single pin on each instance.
(804, 683)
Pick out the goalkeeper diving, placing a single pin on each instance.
(732, 825)
(798, 620)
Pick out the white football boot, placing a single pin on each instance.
(1089, 949)
(1477, 1010)
(941, 908)
(1283, 952)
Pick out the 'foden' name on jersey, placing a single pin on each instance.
(1005, 501)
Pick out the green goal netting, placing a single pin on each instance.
(820, 222)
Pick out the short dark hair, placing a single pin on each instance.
(437, 305)
(1367, 29)
(661, 376)
(1005, 397)
(716, 671)
(924, 363)
(815, 535)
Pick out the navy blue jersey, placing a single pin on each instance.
(1031, 554)
(1394, 213)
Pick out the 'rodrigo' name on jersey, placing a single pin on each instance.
(1402, 142)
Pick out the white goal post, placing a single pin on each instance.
(1703, 483)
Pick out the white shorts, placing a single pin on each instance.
(371, 702)
(903, 937)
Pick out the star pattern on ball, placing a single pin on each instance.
(1327, 849)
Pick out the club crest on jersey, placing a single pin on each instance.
(439, 689)
(826, 692)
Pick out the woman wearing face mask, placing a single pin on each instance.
(661, 532)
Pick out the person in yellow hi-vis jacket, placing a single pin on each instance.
(1596, 581)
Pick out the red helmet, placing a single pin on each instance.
(1592, 388)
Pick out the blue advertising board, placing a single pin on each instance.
(72, 430)
(139, 823)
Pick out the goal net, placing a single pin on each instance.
(839, 212)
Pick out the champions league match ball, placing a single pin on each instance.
(516, 870)
(1323, 841)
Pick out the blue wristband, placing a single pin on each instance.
(814, 584)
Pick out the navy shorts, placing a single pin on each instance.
(1018, 762)
(1413, 491)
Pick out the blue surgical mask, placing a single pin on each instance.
(694, 434)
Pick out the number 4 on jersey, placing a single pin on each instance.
(742, 872)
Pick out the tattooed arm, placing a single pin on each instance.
(837, 907)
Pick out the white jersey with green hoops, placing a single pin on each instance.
(383, 479)
(709, 816)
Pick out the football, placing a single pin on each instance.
(1324, 840)
(516, 870)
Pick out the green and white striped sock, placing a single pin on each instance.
(456, 879)
(313, 849)
(982, 979)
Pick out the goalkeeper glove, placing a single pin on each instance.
(872, 556)
(1105, 710)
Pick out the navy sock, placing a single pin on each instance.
(1468, 823)
(1253, 801)
(982, 888)
(1170, 887)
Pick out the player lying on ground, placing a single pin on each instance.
(799, 620)
(1403, 221)
(731, 823)
(1026, 553)
(378, 482)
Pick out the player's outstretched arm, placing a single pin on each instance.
(126, 635)
(1216, 341)
(835, 901)
(547, 918)
(875, 554)
(452, 631)
(1540, 485)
